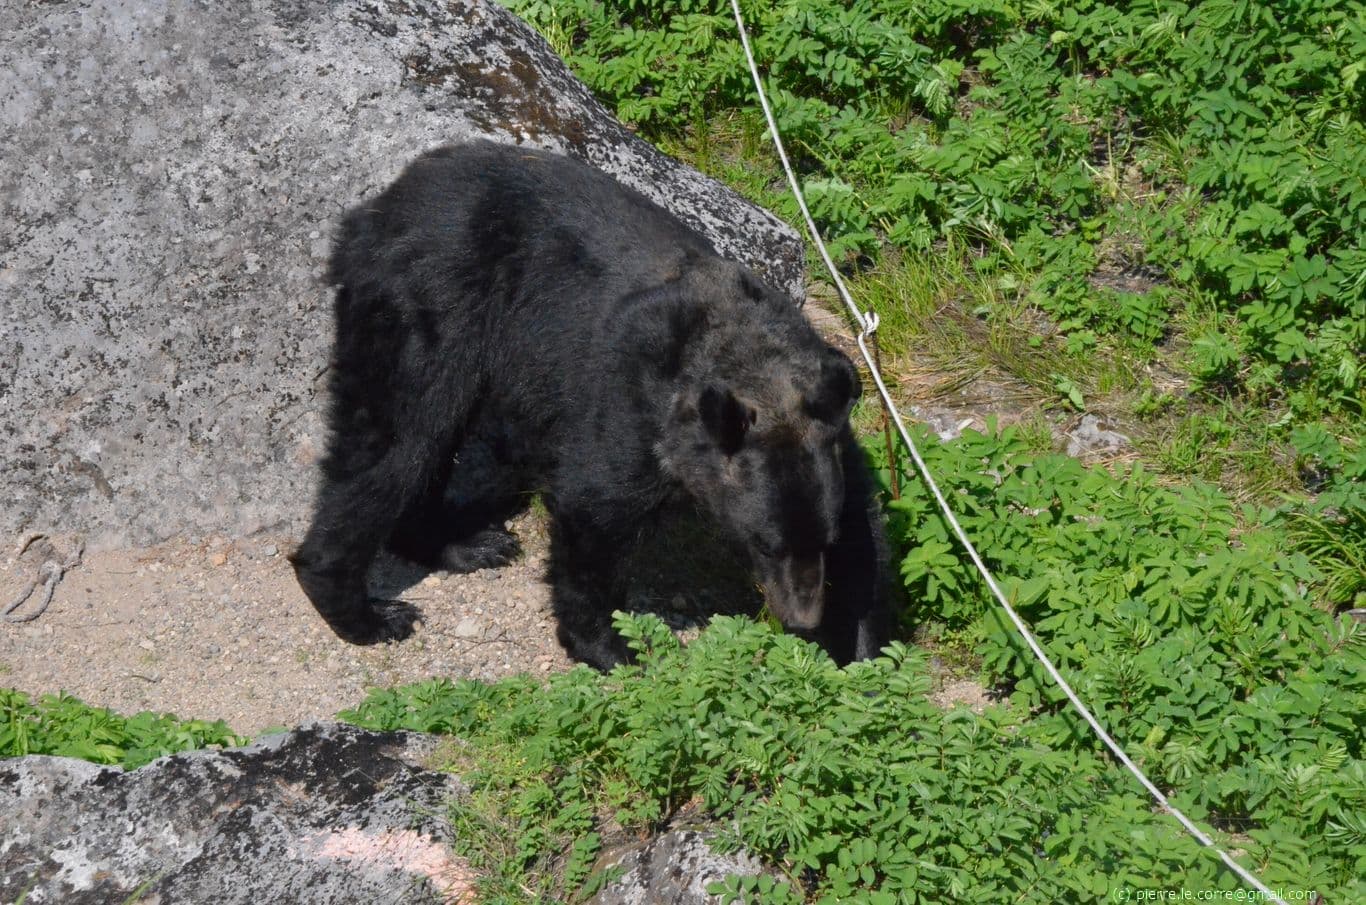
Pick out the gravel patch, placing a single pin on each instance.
(220, 629)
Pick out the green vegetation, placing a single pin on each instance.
(1129, 169)
(63, 726)
(1111, 189)
(864, 791)
(1211, 650)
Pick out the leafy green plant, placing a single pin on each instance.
(62, 725)
(1191, 640)
(1067, 388)
(1214, 357)
(1331, 528)
(854, 784)
(1217, 146)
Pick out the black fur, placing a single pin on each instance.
(510, 320)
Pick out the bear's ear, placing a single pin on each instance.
(726, 418)
(751, 286)
(836, 389)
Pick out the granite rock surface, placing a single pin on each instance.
(171, 177)
(326, 813)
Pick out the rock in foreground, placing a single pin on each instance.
(325, 813)
(673, 868)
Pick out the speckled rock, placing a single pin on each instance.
(171, 176)
(1088, 440)
(327, 813)
(672, 868)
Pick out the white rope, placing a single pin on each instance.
(869, 323)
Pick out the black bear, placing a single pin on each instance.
(510, 320)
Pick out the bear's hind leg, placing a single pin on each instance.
(460, 525)
(457, 539)
(377, 467)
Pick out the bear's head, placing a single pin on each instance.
(757, 435)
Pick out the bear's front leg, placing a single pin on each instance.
(337, 589)
(356, 509)
(585, 590)
(858, 608)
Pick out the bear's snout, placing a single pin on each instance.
(795, 589)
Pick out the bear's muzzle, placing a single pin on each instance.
(795, 590)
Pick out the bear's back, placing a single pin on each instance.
(525, 272)
(505, 224)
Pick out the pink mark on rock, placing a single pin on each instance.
(401, 850)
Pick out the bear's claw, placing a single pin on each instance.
(380, 621)
(486, 549)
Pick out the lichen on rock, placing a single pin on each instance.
(171, 179)
(324, 813)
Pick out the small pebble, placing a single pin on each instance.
(468, 628)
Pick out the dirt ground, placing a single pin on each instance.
(220, 630)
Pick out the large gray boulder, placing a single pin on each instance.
(326, 813)
(170, 177)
